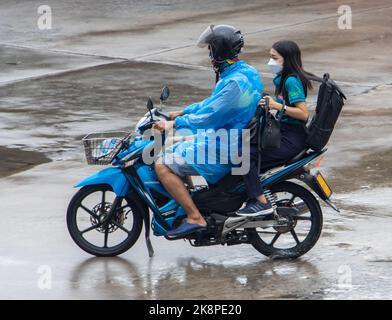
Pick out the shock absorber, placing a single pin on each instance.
(272, 198)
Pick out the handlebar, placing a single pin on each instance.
(147, 126)
(164, 115)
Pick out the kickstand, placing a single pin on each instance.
(149, 247)
(147, 235)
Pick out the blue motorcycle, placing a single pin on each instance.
(106, 216)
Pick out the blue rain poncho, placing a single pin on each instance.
(225, 113)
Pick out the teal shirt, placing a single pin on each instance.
(295, 92)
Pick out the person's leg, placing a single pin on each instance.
(176, 188)
(257, 204)
(252, 180)
(293, 141)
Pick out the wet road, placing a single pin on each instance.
(85, 76)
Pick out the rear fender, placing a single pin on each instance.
(112, 176)
(288, 172)
(305, 176)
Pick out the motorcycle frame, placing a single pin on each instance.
(125, 180)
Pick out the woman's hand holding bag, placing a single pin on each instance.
(270, 135)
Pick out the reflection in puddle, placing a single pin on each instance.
(194, 278)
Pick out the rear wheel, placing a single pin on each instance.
(299, 232)
(88, 210)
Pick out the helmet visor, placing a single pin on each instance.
(205, 37)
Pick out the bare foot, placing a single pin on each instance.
(199, 221)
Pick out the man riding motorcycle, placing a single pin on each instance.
(231, 106)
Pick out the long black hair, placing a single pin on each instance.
(292, 65)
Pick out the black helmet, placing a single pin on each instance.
(225, 42)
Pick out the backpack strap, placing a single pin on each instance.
(327, 79)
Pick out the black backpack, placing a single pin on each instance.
(330, 101)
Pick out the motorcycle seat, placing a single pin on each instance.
(285, 162)
(232, 180)
(297, 157)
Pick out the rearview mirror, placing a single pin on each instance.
(165, 93)
(150, 104)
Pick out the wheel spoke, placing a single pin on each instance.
(292, 231)
(120, 227)
(90, 228)
(103, 202)
(291, 200)
(105, 245)
(89, 212)
(276, 237)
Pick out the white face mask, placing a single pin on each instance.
(275, 66)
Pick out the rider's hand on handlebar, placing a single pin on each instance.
(163, 125)
(175, 114)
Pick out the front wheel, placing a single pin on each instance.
(299, 232)
(87, 213)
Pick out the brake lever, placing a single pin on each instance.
(162, 114)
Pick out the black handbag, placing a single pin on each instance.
(270, 135)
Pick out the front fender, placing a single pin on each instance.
(112, 176)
